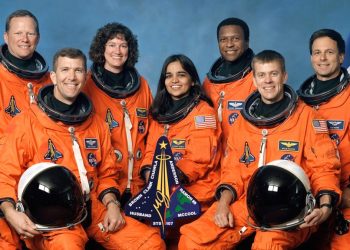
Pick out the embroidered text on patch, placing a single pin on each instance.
(141, 112)
(178, 143)
(91, 143)
(235, 105)
(285, 145)
(335, 124)
(205, 121)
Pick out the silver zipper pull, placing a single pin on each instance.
(71, 133)
(31, 93)
(166, 129)
(262, 152)
(123, 103)
(221, 100)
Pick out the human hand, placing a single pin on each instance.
(113, 220)
(21, 223)
(223, 216)
(316, 217)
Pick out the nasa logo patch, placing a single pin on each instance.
(335, 138)
(177, 156)
(92, 160)
(232, 118)
(141, 127)
(288, 157)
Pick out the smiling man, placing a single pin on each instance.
(273, 125)
(23, 71)
(328, 92)
(63, 129)
(230, 79)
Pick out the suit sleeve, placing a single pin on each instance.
(321, 157)
(231, 177)
(345, 159)
(15, 149)
(108, 170)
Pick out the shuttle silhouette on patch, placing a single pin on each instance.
(164, 199)
(12, 108)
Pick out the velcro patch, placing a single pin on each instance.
(205, 121)
(141, 112)
(320, 126)
(285, 145)
(91, 143)
(335, 124)
(178, 143)
(235, 105)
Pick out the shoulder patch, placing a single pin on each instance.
(90, 143)
(92, 160)
(178, 143)
(235, 105)
(141, 112)
(52, 153)
(288, 157)
(12, 108)
(335, 124)
(335, 137)
(141, 127)
(320, 126)
(205, 121)
(110, 120)
(232, 118)
(247, 156)
(285, 145)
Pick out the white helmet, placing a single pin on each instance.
(51, 197)
(279, 196)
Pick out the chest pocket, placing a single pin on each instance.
(200, 149)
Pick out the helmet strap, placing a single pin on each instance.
(80, 163)
(128, 127)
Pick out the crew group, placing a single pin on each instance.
(243, 116)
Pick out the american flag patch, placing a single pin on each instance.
(320, 126)
(205, 121)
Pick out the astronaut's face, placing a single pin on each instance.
(177, 81)
(325, 58)
(22, 37)
(269, 78)
(231, 42)
(116, 53)
(68, 78)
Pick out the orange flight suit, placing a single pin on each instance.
(233, 95)
(337, 113)
(295, 139)
(110, 110)
(32, 138)
(195, 151)
(14, 99)
(14, 94)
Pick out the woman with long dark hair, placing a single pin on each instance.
(185, 115)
